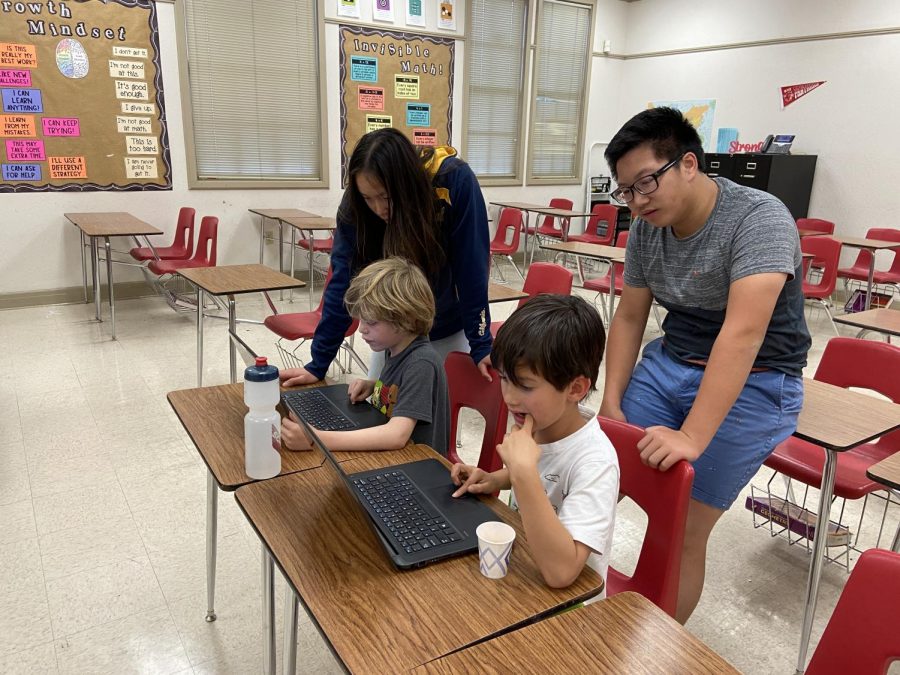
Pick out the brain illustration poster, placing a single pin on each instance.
(82, 98)
(393, 79)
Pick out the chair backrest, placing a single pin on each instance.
(549, 223)
(664, 497)
(827, 252)
(864, 364)
(184, 231)
(506, 237)
(602, 213)
(816, 225)
(468, 389)
(206, 241)
(545, 277)
(864, 257)
(861, 635)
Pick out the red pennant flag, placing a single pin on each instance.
(792, 92)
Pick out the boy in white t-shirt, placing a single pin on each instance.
(562, 469)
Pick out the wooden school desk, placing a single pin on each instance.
(214, 419)
(837, 419)
(378, 619)
(499, 293)
(623, 634)
(608, 254)
(886, 321)
(887, 472)
(276, 215)
(231, 280)
(105, 225)
(309, 226)
(870, 245)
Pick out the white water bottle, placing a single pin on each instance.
(262, 425)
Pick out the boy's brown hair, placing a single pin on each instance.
(392, 290)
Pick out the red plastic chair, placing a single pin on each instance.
(599, 214)
(601, 284)
(664, 497)
(542, 278)
(860, 269)
(302, 326)
(861, 636)
(827, 250)
(847, 362)
(204, 253)
(816, 225)
(506, 239)
(468, 389)
(323, 245)
(183, 245)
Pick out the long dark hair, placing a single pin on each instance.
(412, 232)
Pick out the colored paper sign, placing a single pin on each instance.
(22, 101)
(67, 167)
(418, 114)
(15, 78)
(415, 13)
(21, 172)
(447, 15)
(725, 138)
(61, 126)
(130, 52)
(425, 137)
(406, 86)
(25, 151)
(138, 108)
(132, 90)
(348, 8)
(371, 98)
(363, 69)
(383, 10)
(127, 69)
(14, 55)
(141, 145)
(792, 92)
(72, 59)
(375, 122)
(17, 126)
(133, 125)
(141, 167)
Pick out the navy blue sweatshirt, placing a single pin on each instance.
(460, 289)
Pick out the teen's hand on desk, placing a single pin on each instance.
(483, 367)
(360, 390)
(472, 479)
(291, 377)
(518, 451)
(662, 447)
(292, 434)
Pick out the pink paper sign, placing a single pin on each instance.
(22, 151)
(15, 78)
(371, 98)
(61, 126)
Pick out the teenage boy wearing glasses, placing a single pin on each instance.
(723, 386)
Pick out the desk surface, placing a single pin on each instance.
(317, 223)
(812, 233)
(559, 213)
(214, 419)
(376, 618)
(522, 206)
(887, 471)
(623, 634)
(880, 320)
(499, 293)
(110, 224)
(280, 214)
(862, 242)
(841, 419)
(235, 279)
(600, 251)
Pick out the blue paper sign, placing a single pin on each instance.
(22, 101)
(418, 114)
(21, 172)
(363, 69)
(726, 136)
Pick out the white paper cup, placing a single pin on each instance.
(495, 542)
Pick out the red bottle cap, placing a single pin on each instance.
(261, 362)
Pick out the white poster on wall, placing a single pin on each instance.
(348, 8)
(383, 10)
(415, 13)
(447, 14)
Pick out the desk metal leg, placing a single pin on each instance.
(212, 526)
(289, 648)
(871, 279)
(312, 245)
(612, 291)
(281, 254)
(293, 247)
(95, 274)
(109, 281)
(818, 554)
(232, 330)
(262, 237)
(83, 268)
(200, 336)
(268, 612)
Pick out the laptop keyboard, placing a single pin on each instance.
(317, 410)
(411, 520)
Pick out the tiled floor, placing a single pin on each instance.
(102, 502)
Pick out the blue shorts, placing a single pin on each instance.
(662, 391)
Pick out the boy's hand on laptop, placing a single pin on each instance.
(293, 436)
(518, 451)
(292, 377)
(360, 390)
(472, 479)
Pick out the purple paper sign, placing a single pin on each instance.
(15, 78)
(24, 151)
(61, 126)
(22, 101)
(21, 172)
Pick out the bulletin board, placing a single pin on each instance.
(393, 79)
(82, 97)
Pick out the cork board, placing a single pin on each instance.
(82, 98)
(394, 79)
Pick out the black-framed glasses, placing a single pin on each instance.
(645, 185)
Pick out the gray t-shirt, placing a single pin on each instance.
(748, 232)
(413, 384)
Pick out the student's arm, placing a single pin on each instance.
(751, 301)
(391, 436)
(622, 346)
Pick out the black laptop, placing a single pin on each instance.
(329, 409)
(411, 508)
